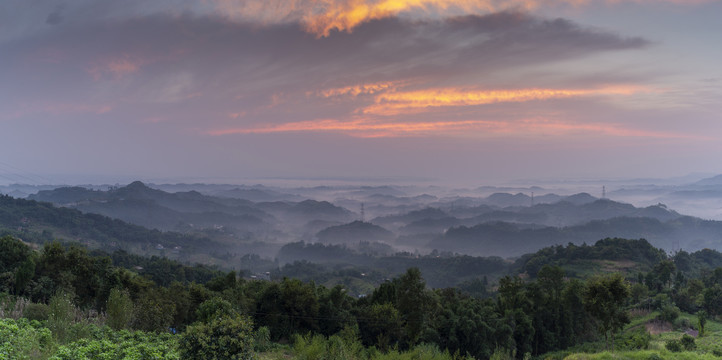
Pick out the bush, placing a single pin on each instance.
(39, 312)
(673, 345)
(343, 345)
(503, 354)
(263, 339)
(309, 347)
(687, 342)
(61, 316)
(23, 339)
(669, 313)
(106, 344)
(635, 340)
(119, 309)
(683, 323)
(227, 337)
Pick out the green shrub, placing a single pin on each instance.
(39, 312)
(119, 309)
(61, 316)
(635, 340)
(228, 337)
(263, 339)
(107, 344)
(214, 308)
(309, 347)
(673, 345)
(682, 323)
(23, 339)
(669, 313)
(688, 342)
(701, 320)
(503, 354)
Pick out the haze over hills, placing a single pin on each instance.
(485, 221)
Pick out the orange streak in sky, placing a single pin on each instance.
(530, 127)
(356, 90)
(417, 101)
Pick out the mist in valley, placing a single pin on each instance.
(261, 227)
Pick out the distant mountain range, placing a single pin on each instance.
(243, 219)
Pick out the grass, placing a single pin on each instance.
(583, 269)
(707, 345)
(277, 354)
(642, 355)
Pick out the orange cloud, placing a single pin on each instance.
(321, 17)
(117, 67)
(237, 115)
(359, 128)
(356, 90)
(394, 103)
(528, 127)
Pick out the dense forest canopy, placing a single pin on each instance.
(537, 308)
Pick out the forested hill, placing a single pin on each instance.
(41, 222)
(509, 239)
(64, 289)
(141, 205)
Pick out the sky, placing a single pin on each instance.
(449, 92)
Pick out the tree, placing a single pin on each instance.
(223, 335)
(381, 325)
(413, 303)
(712, 300)
(61, 316)
(702, 319)
(214, 308)
(153, 312)
(119, 309)
(664, 271)
(23, 275)
(300, 305)
(604, 299)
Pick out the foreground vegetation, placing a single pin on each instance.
(63, 303)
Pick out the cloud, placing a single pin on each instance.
(117, 66)
(323, 17)
(395, 103)
(359, 89)
(534, 127)
(171, 57)
(396, 73)
(55, 17)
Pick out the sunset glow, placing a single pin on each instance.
(414, 101)
(482, 128)
(283, 88)
(321, 17)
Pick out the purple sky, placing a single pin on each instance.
(460, 92)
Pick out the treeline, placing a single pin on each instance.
(526, 317)
(320, 262)
(640, 252)
(549, 312)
